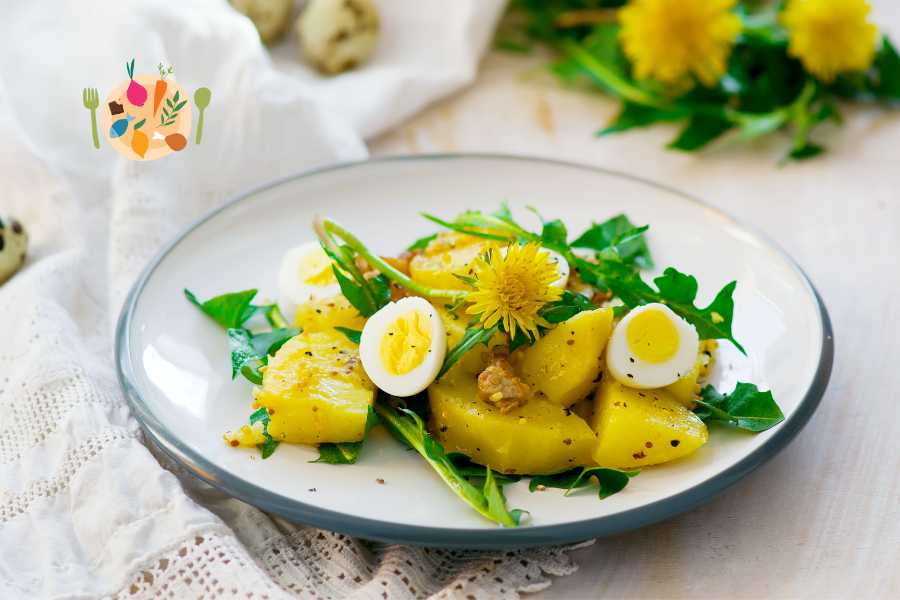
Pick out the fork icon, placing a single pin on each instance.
(91, 100)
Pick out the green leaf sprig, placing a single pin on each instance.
(745, 408)
(488, 500)
(609, 481)
(249, 350)
(267, 447)
(347, 453)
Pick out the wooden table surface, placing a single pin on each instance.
(822, 519)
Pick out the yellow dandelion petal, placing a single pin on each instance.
(512, 288)
(672, 41)
(830, 37)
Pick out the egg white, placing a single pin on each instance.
(292, 289)
(629, 369)
(375, 330)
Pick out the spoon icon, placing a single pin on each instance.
(201, 98)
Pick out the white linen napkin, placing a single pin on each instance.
(86, 510)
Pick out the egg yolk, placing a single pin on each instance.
(315, 269)
(652, 336)
(406, 342)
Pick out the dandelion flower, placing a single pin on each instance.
(830, 36)
(511, 289)
(672, 40)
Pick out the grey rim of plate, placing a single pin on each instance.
(499, 538)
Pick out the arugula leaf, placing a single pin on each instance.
(247, 347)
(367, 299)
(473, 336)
(228, 310)
(366, 295)
(634, 115)
(762, 124)
(887, 64)
(269, 446)
(421, 243)
(805, 151)
(700, 131)
(354, 335)
(496, 500)
(569, 305)
(554, 234)
(601, 236)
(676, 290)
(251, 372)
(409, 428)
(473, 471)
(746, 407)
(610, 481)
(347, 453)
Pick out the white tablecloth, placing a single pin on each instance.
(85, 510)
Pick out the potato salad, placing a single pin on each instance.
(497, 352)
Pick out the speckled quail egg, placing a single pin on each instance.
(402, 346)
(651, 347)
(271, 17)
(305, 274)
(337, 35)
(13, 247)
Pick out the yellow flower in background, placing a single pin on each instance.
(830, 36)
(512, 288)
(672, 40)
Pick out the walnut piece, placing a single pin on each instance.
(499, 385)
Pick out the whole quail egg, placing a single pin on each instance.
(13, 246)
(337, 35)
(271, 17)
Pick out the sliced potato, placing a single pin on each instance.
(327, 313)
(539, 437)
(448, 255)
(563, 365)
(316, 391)
(475, 360)
(686, 389)
(638, 428)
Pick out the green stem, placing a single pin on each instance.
(276, 318)
(620, 86)
(625, 90)
(411, 430)
(716, 412)
(325, 228)
(800, 111)
(347, 262)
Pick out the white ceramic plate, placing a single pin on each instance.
(174, 366)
